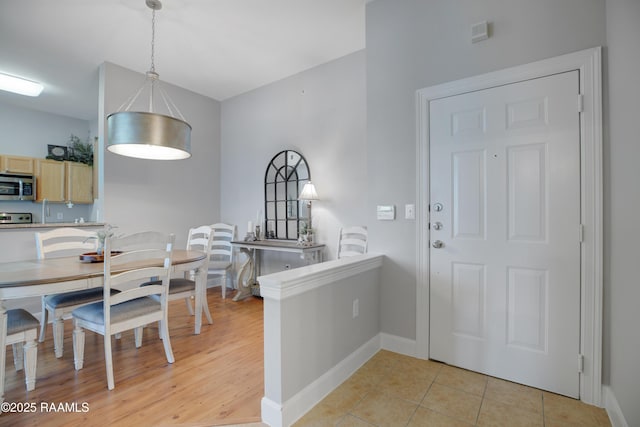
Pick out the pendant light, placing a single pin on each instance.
(148, 134)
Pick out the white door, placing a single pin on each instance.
(505, 232)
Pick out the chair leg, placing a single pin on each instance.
(108, 361)
(160, 330)
(224, 285)
(205, 307)
(18, 360)
(30, 363)
(164, 325)
(137, 333)
(189, 306)
(78, 347)
(58, 336)
(43, 320)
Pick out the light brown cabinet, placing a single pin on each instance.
(16, 164)
(50, 176)
(64, 181)
(79, 182)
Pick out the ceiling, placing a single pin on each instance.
(217, 48)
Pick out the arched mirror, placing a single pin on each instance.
(286, 174)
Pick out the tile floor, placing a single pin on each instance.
(397, 390)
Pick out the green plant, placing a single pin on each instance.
(79, 151)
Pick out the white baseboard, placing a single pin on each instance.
(286, 414)
(271, 412)
(613, 409)
(398, 344)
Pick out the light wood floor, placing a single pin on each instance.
(217, 377)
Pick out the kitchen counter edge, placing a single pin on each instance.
(51, 225)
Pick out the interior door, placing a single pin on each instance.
(505, 232)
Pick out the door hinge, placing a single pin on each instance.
(581, 233)
(580, 363)
(580, 103)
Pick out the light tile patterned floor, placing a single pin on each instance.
(396, 390)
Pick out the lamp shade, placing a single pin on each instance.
(308, 192)
(148, 136)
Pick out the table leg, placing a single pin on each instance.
(3, 348)
(246, 275)
(201, 292)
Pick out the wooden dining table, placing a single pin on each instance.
(33, 278)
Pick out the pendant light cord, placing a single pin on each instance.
(153, 40)
(152, 78)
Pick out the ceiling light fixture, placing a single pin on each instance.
(148, 134)
(19, 85)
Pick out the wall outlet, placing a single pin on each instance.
(59, 215)
(356, 308)
(287, 266)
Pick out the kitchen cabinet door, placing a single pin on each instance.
(79, 186)
(50, 176)
(16, 164)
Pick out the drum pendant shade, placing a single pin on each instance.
(148, 134)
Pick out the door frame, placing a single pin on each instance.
(588, 63)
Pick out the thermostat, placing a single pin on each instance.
(386, 212)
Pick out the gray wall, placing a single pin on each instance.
(163, 195)
(27, 132)
(412, 44)
(622, 203)
(319, 113)
(318, 329)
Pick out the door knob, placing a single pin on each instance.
(437, 244)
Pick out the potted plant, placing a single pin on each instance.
(79, 151)
(101, 236)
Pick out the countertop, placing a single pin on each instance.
(51, 225)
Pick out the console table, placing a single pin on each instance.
(250, 270)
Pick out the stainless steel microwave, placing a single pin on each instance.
(15, 186)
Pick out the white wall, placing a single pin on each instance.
(319, 113)
(622, 204)
(414, 44)
(164, 195)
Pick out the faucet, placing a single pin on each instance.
(44, 211)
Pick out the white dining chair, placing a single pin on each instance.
(199, 239)
(352, 241)
(221, 257)
(132, 307)
(56, 243)
(22, 333)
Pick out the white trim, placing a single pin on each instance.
(398, 344)
(613, 409)
(271, 412)
(286, 414)
(588, 62)
(285, 284)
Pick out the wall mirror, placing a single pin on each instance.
(286, 174)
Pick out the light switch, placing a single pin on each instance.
(386, 212)
(410, 211)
